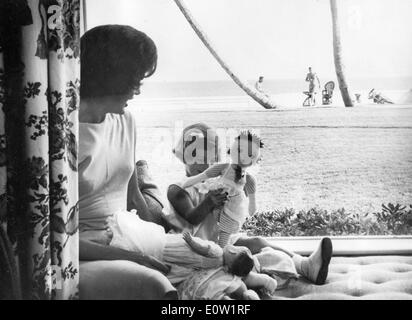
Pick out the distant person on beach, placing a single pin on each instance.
(358, 98)
(259, 84)
(311, 77)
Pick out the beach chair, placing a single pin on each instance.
(378, 98)
(327, 93)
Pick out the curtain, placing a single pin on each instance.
(39, 100)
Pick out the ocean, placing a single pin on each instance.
(153, 90)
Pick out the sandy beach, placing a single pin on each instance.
(327, 156)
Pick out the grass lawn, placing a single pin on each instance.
(331, 157)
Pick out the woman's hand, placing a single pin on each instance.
(185, 208)
(217, 197)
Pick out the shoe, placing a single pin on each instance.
(315, 268)
(326, 255)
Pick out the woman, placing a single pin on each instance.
(114, 61)
(193, 210)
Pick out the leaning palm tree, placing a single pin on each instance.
(337, 52)
(261, 98)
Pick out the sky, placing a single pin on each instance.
(275, 38)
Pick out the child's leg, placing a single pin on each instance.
(227, 226)
(314, 268)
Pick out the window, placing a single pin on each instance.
(326, 169)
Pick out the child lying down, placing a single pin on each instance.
(186, 254)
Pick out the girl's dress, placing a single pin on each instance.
(236, 210)
(237, 206)
(276, 264)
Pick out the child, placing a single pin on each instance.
(216, 284)
(239, 185)
(184, 253)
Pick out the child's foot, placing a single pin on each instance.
(315, 267)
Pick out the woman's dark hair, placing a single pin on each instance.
(243, 264)
(114, 59)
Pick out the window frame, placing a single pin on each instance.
(349, 245)
(342, 245)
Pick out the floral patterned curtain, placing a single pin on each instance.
(39, 100)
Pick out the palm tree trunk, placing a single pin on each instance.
(262, 99)
(84, 13)
(337, 52)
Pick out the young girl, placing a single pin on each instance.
(239, 185)
(185, 253)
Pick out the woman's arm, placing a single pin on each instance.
(183, 204)
(212, 172)
(135, 199)
(190, 181)
(89, 250)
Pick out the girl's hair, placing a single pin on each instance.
(243, 264)
(114, 59)
(251, 138)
